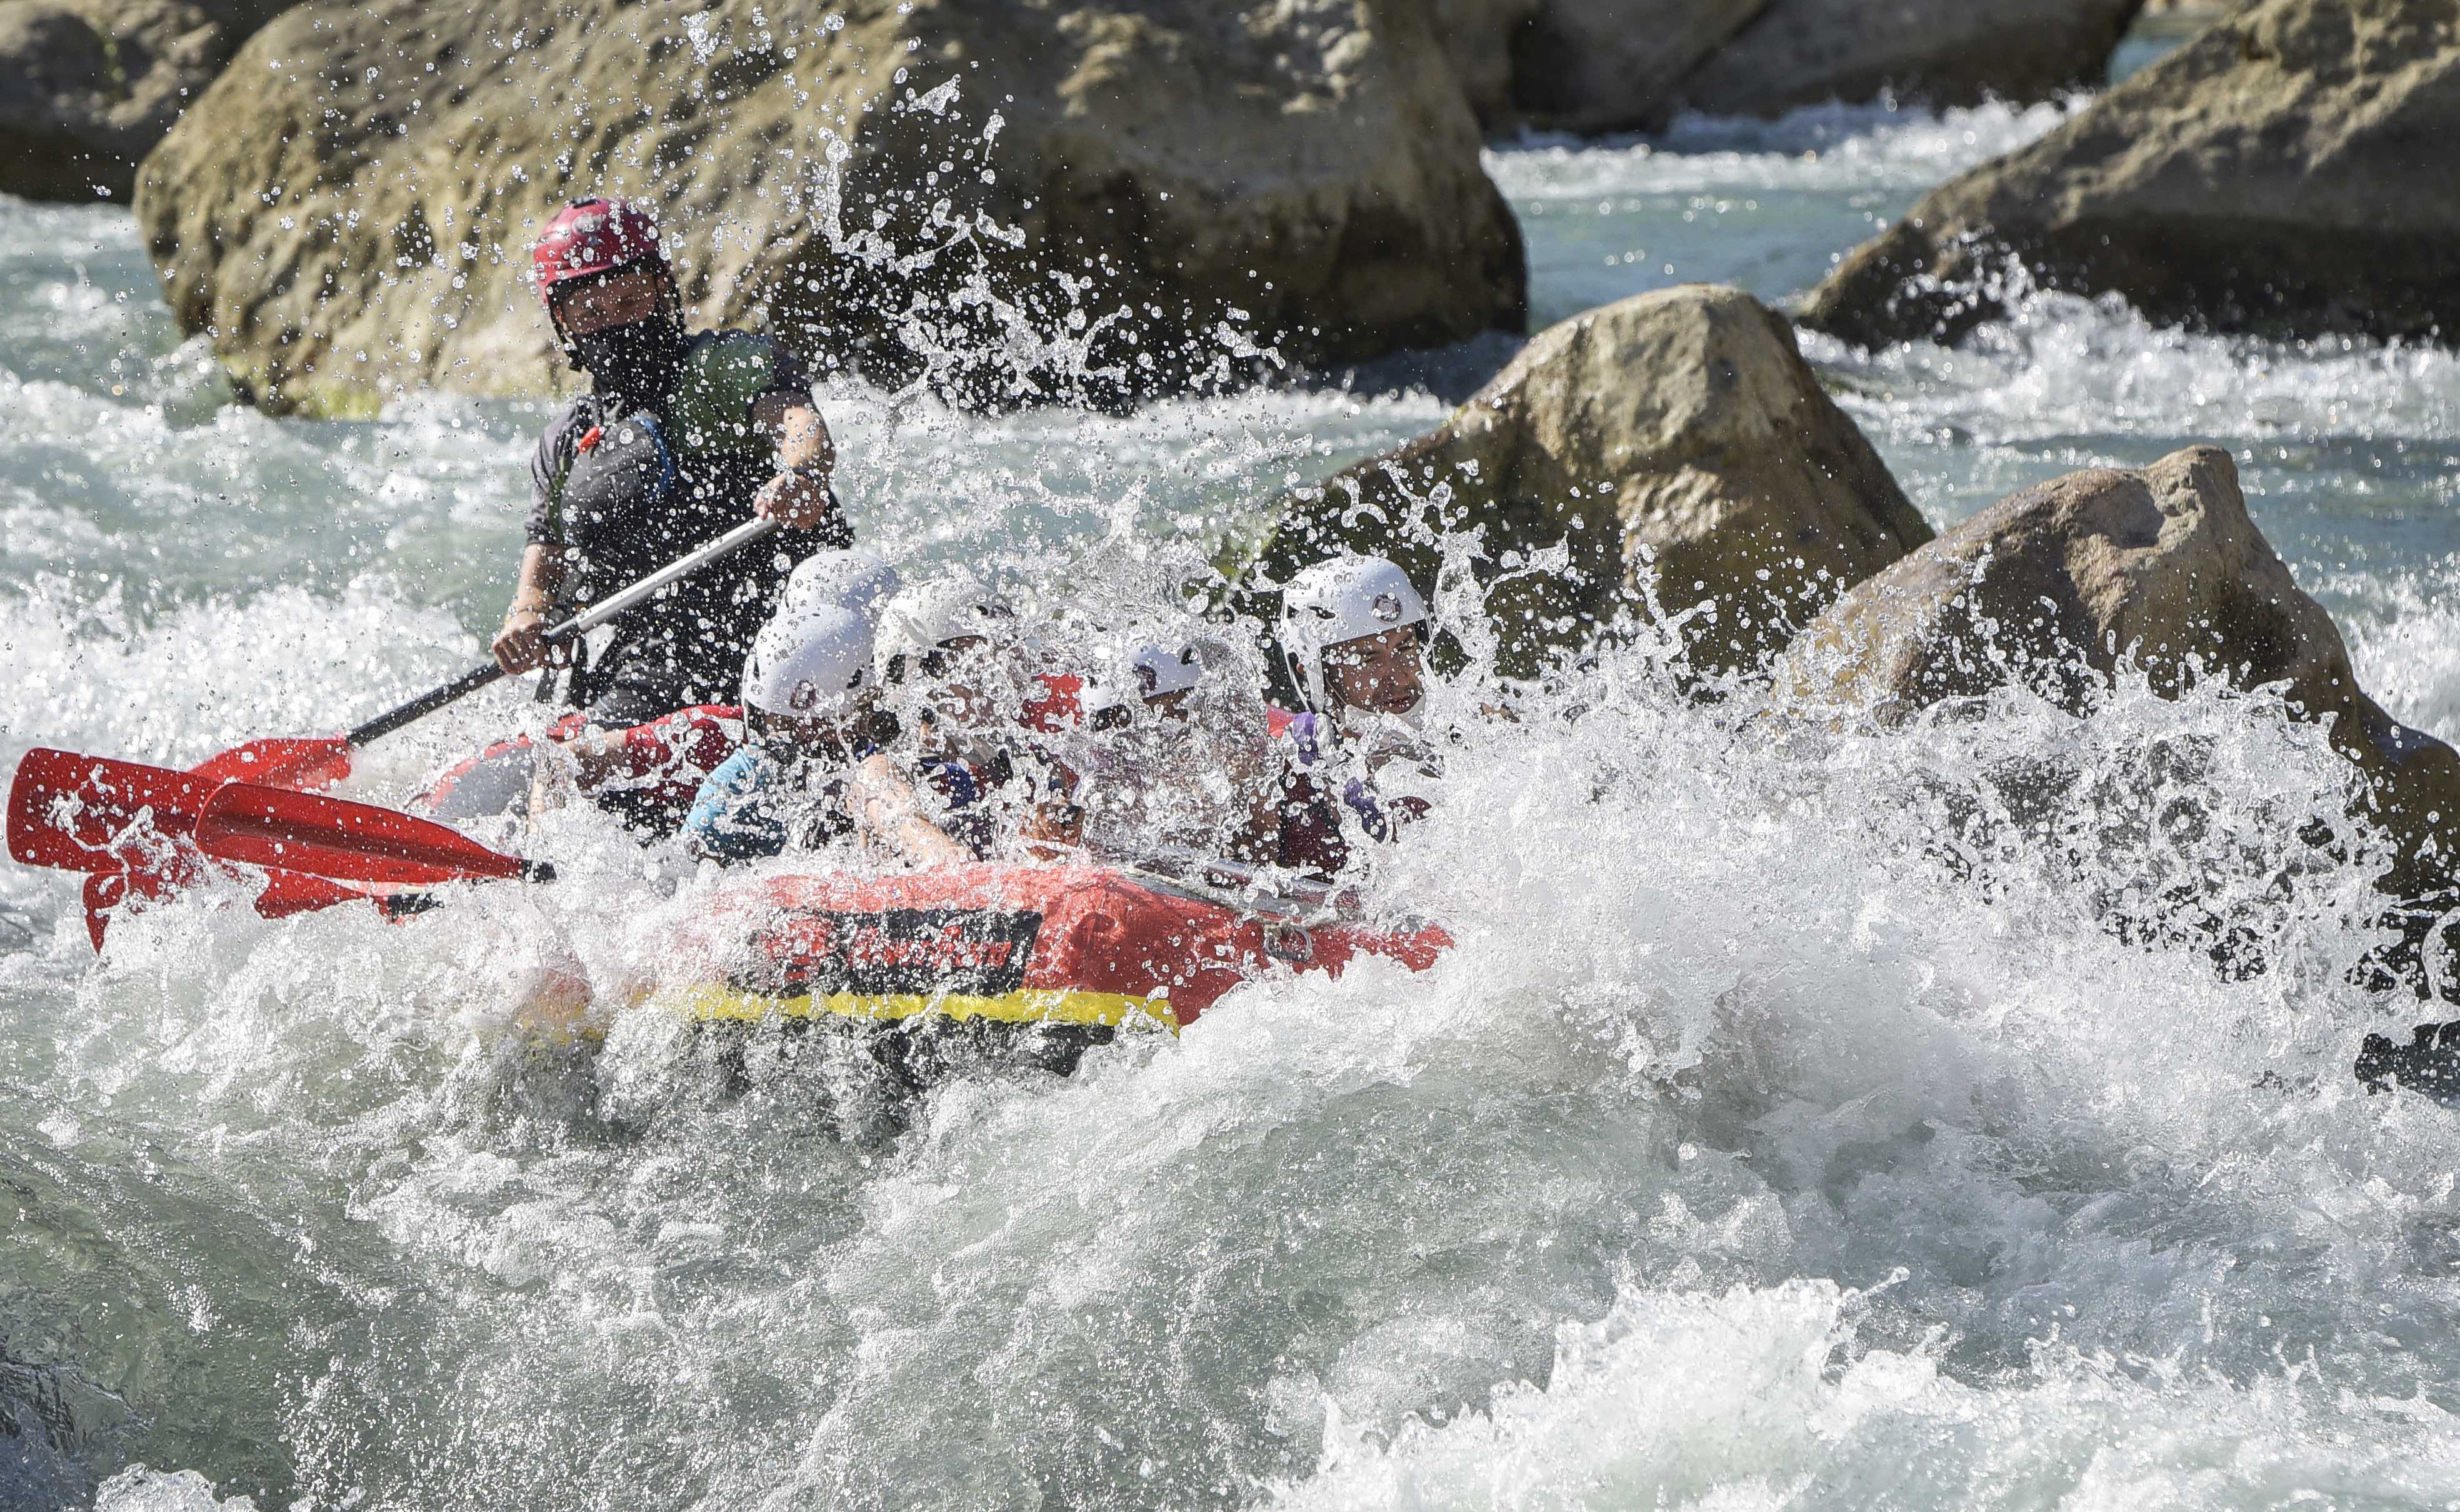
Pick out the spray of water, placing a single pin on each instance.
(1942, 1115)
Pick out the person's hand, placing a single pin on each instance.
(521, 643)
(794, 501)
(1059, 826)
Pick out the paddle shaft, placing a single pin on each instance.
(590, 618)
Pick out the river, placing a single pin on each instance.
(1778, 1134)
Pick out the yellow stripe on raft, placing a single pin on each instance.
(1029, 1005)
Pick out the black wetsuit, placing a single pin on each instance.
(625, 489)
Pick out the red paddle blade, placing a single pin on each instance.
(104, 891)
(355, 842)
(85, 813)
(285, 893)
(283, 761)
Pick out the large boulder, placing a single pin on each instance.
(87, 87)
(1944, 51)
(1675, 443)
(1581, 65)
(2288, 171)
(1093, 198)
(2159, 568)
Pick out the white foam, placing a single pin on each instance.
(1847, 149)
(2062, 366)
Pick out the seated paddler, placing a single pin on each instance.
(810, 776)
(1352, 764)
(682, 436)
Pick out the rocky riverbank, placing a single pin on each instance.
(1085, 204)
(1008, 205)
(2287, 172)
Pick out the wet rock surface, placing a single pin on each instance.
(1675, 447)
(2160, 568)
(2286, 172)
(1943, 51)
(87, 87)
(1010, 204)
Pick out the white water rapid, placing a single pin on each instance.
(1800, 1122)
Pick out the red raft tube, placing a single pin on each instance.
(1087, 946)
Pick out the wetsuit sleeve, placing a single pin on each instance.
(548, 465)
(732, 817)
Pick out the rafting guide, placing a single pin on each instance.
(682, 437)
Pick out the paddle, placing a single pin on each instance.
(284, 894)
(305, 763)
(348, 842)
(65, 808)
(91, 813)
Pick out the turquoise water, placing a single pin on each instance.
(1789, 1128)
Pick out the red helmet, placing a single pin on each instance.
(593, 236)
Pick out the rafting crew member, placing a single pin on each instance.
(951, 658)
(1171, 760)
(683, 436)
(1354, 630)
(811, 774)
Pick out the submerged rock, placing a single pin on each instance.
(1944, 51)
(87, 87)
(2288, 171)
(1675, 444)
(1091, 201)
(2160, 568)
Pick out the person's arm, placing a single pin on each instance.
(799, 497)
(886, 807)
(600, 755)
(1260, 840)
(521, 644)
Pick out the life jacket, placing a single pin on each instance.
(1058, 707)
(1310, 808)
(643, 488)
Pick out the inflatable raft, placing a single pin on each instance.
(1081, 945)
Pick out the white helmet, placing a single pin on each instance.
(933, 614)
(848, 579)
(814, 664)
(1162, 670)
(1346, 598)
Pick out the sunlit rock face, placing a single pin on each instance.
(1678, 450)
(2287, 172)
(1008, 203)
(2159, 570)
(87, 87)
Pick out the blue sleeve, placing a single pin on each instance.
(732, 817)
